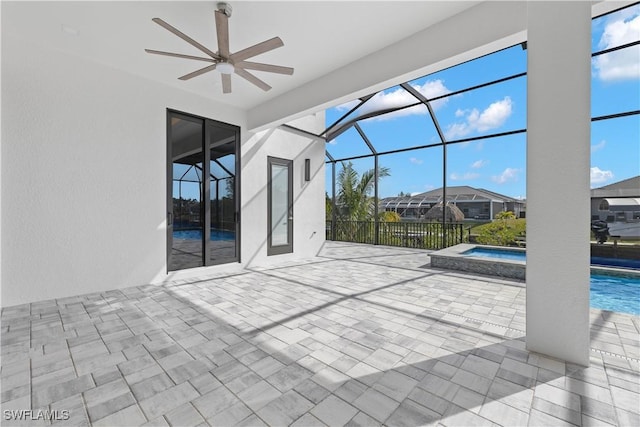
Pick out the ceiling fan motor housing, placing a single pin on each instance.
(225, 8)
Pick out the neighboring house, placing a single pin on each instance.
(475, 203)
(619, 205)
(626, 189)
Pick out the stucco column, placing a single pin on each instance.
(558, 161)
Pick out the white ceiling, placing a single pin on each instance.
(319, 37)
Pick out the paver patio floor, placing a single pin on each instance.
(360, 335)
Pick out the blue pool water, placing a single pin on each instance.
(615, 293)
(608, 292)
(497, 253)
(521, 256)
(197, 234)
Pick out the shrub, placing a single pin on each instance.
(505, 215)
(388, 216)
(502, 232)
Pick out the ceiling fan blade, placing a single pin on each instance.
(258, 66)
(198, 72)
(252, 79)
(179, 55)
(226, 83)
(222, 32)
(186, 38)
(257, 49)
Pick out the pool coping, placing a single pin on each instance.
(453, 258)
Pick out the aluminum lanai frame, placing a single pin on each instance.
(341, 125)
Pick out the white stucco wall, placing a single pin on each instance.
(83, 176)
(309, 201)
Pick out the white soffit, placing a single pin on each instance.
(319, 36)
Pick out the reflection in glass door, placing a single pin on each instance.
(203, 221)
(280, 206)
(222, 244)
(185, 238)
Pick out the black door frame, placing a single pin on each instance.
(205, 205)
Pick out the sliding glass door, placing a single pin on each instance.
(203, 202)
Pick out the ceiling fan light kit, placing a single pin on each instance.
(225, 67)
(223, 60)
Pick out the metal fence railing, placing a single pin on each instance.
(422, 235)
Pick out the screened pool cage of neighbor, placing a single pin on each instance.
(187, 183)
(375, 127)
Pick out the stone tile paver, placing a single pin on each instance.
(334, 411)
(376, 404)
(372, 337)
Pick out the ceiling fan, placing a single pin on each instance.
(223, 60)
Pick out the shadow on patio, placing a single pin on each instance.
(339, 339)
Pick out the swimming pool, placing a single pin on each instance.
(614, 289)
(520, 255)
(514, 255)
(608, 292)
(197, 234)
(616, 262)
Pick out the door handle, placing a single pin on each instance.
(169, 218)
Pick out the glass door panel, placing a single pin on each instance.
(185, 228)
(223, 223)
(280, 207)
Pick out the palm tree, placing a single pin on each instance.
(328, 203)
(354, 202)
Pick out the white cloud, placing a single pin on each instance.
(457, 129)
(479, 164)
(416, 161)
(599, 146)
(347, 105)
(464, 177)
(509, 174)
(460, 113)
(621, 64)
(598, 176)
(494, 116)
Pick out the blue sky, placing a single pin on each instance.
(497, 164)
